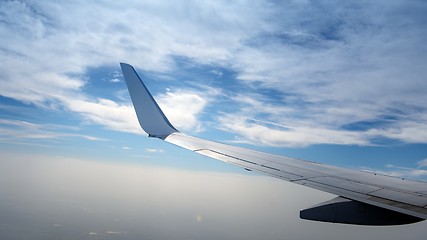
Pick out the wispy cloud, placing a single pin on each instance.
(154, 150)
(401, 172)
(114, 78)
(16, 131)
(422, 163)
(256, 133)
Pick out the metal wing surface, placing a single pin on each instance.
(362, 198)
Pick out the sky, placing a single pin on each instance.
(336, 82)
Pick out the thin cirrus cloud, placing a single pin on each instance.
(256, 133)
(23, 132)
(346, 63)
(422, 163)
(402, 172)
(154, 150)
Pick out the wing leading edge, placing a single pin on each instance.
(363, 198)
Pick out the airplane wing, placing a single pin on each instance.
(362, 198)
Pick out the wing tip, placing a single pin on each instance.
(151, 118)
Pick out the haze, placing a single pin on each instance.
(59, 198)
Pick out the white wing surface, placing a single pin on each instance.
(362, 198)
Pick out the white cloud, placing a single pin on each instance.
(217, 73)
(107, 113)
(422, 163)
(406, 131)
(115, 80)
(154, 150)
(182, 108)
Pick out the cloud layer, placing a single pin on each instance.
(333, 66)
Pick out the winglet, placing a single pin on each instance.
(150, 116)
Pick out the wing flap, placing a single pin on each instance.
(346, 184)
(266, 163)
(411, 198)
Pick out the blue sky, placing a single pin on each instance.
(342, 83)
